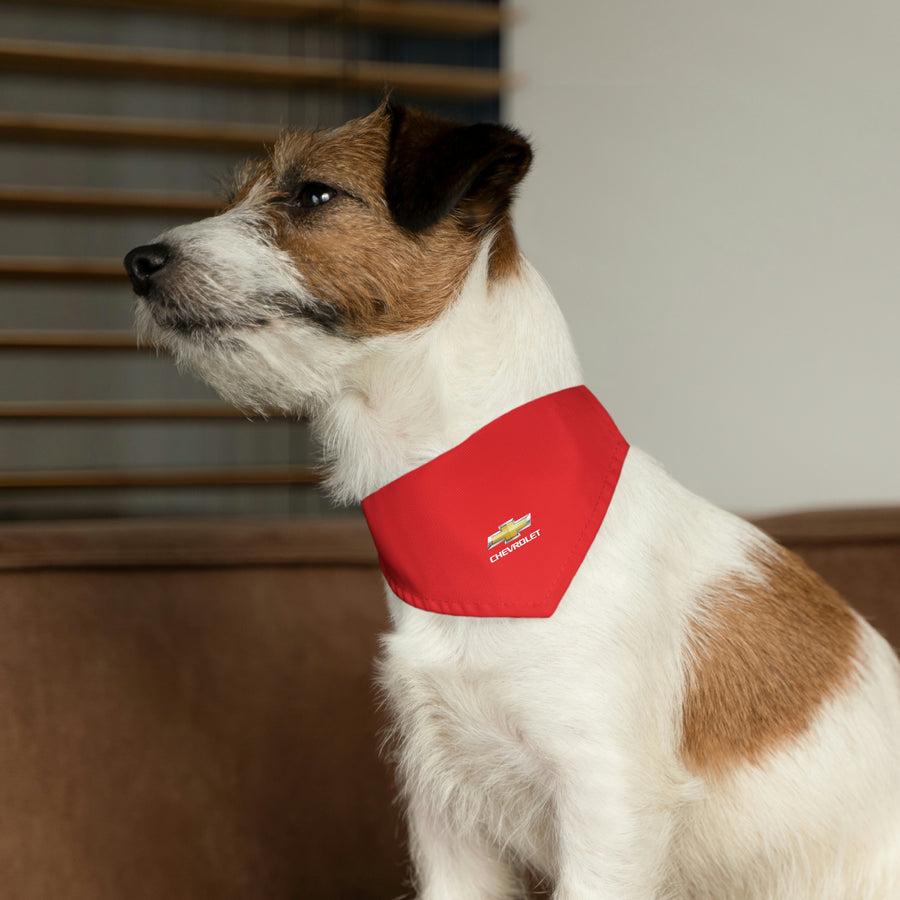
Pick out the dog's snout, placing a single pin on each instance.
(143, 263)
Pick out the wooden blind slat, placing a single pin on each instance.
(105, 410)
(153, 478)
(113, 132)
(69, 340)
(59, 58)
(107, 202)
(435, 17)
(43, 268)
(444, 18)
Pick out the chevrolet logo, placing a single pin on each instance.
(509, 531)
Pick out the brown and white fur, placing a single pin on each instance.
(702, 717)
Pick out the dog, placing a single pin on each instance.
(693, 713)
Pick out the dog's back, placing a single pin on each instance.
(787, 721)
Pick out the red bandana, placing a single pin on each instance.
(499, 525)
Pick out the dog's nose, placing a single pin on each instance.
(143, 263)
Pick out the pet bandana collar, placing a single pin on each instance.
(499, 525)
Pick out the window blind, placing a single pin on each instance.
(118, 120)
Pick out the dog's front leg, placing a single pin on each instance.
(451, 865)
(613, 842)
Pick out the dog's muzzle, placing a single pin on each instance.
(144, 263)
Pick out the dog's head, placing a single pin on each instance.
(336, 238)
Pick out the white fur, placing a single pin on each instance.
(555, 742)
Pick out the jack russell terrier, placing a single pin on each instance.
(594, 675)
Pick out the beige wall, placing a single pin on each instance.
(716, 203)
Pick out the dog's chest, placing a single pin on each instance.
(464, 744)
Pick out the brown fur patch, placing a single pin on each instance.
(377, 277)
(505, 254)
(763, 657)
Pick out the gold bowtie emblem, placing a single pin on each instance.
(509, 531)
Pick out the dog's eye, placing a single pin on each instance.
(314, 193)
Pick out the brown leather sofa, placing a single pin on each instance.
(186, 708)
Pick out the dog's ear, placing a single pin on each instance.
(435, 166)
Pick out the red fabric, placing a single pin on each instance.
(557, 459)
